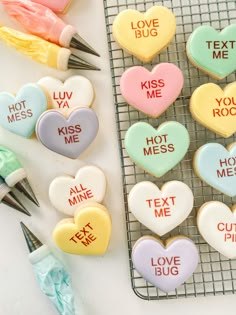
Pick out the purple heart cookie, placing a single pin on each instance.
(167, 265)
(67, 136)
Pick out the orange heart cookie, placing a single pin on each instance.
(87, 234)
(144, 35)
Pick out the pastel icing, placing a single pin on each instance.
(160, 210)
(215, 108)
(152, 92)
(55, 5)
(215, 165)
(67, 136)
(144, 35)
(213, 52)
(166, 266)
(217, 225)
(20, 113)
(76, 91)
(67, 193)
(88, 233)
(157, 151)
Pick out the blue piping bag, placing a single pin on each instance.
(51, 275)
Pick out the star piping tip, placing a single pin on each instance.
(76, 62)
(32, 241)
(79, 43)
(11, 193)
(24, 187)
(12, 201)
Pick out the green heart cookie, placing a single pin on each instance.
(157, 151)
(213, 52)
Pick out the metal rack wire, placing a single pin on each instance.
(215, 274)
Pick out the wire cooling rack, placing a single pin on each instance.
(215, 274)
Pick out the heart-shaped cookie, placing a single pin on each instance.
(168, 265)
(144, 35)
(161, 210)
(20, 113)
(152, 92)
(217, 225)
(213, 52)
(157, 151)
(76, 91)
(67, 193)
(56, 6)
(216, 165)
(87, 234)
(67, 136)
(215, 108)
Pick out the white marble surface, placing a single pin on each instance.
(101, 284)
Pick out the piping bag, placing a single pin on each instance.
(41, 21)
(51, 275)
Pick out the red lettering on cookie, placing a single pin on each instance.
(161, 202)
(166, 266)
(145, 28)
(84, 236)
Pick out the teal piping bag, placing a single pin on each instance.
(14, 174)
(50, 273)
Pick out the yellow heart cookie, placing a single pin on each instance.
(144, 35)
(87, 234)
(215, 108)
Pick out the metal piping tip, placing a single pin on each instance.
(32, 241)
(24, 187)
(12, 201)
(76, 62)
(79, 43)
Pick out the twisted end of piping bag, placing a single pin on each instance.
(52, 277)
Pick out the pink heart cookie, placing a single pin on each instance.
(165, 266)
(67, 136)
(152, 92)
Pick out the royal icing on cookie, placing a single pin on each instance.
(87, 234)
(152, 92)
(20, 113)
(67, 193)
(160, 210)
(76, 91)
(217, 225)
(168, 265)
(213, 52)
(216, 165)
(215, 108)
(67, 136)
(157, 151)
(144, 35)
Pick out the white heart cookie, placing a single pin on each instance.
(76, 91)
(67, 193)
(161, 210)
(217, 225)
